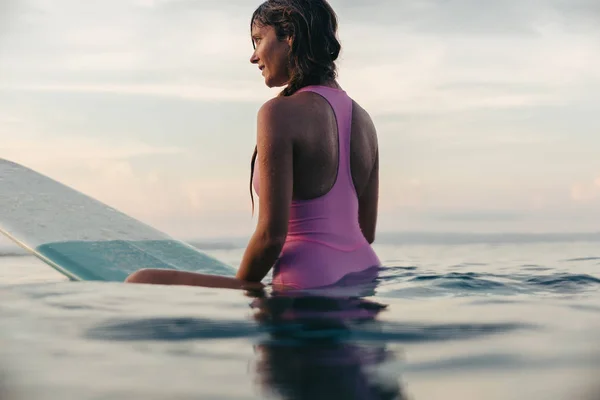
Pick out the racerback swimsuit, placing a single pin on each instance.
(324, 242)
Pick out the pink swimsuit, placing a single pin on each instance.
(324, 241)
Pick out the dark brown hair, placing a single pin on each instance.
(312, 25)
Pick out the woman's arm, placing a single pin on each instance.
(368, 204)
(274, 143)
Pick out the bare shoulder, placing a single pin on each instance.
(362, 118)
(279, 107)
(275, 121)
(272, 109)
(364, 133)
(274, 115)
(287, 114)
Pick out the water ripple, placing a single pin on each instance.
(398, 268)
(172, 329)
(500, 361)
(411, 333)
(180, 329)
(562, 281)
(472, 282)
(583, 259)
(461, 281)
(534, 267)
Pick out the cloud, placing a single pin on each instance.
(401, 193)
(7, 119)
(585, 192)
(431, 16)
(181, 206)
(479, 216)
(186, 6)
(120, 97)
(7, 13)
(73, 150)
(467, 17)
(204, 54)
(194, 50)
(417, 73)
(79, 29)
(228, 92)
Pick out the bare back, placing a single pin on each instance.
(315, 136)
(315, 155)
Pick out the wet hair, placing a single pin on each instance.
(312, 25)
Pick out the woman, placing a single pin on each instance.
(315, 166)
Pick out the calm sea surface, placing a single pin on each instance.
(496, 320)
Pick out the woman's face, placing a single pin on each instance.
(271, 55)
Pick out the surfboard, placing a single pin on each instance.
(83, 238)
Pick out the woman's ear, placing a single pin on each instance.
(290, 41)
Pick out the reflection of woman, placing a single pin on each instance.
(315, 167)
(330, 371)
(309, 356)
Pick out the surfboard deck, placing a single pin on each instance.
(83, 238)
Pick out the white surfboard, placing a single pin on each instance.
(83, 238)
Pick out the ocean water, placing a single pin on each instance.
(448, 319)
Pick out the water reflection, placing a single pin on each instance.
(309, 352)
(325, 344)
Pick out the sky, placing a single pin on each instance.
(487, 116)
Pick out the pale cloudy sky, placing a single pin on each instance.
(488, 115)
